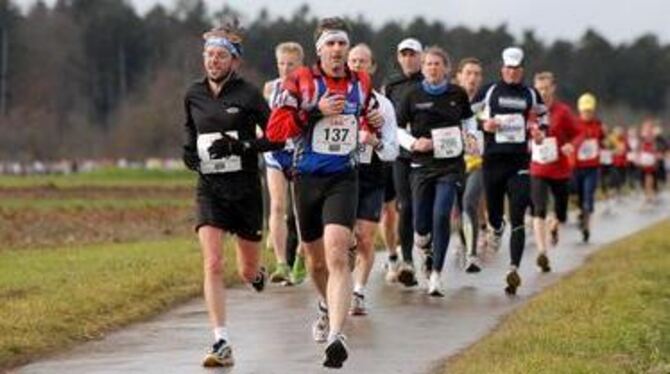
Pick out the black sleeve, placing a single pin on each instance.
(261, 115)
(403, 111)
(190, 132)
(467, 111)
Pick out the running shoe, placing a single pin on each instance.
(513, 282)
(261, 278)
(358, 305)
(221, 354)
(472, 265)
(299, 271)
(281, 274)
(435, 285)
(543, 263)
(406, 275)
(392, 269)
(495, 238)
(321, 326)
(336, 352)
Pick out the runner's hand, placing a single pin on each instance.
(331, 104)
(225, 147)
(490, 125)
(568, 149)
(375, 118)
(422, 145)
(366, 137)
(537, 134)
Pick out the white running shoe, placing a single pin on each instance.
(321, 326)
(435, 285)
(221, 354)
(392, 269)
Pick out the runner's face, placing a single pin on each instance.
(286, 63)
(587, 115)
(333, 54)
(410, 61)
(470, 77)
(218, 62)
(512, 75)
(434, 69)
(359, 60)
(547, 90)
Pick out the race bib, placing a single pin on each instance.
(365, 153)
(219, 165)
(588, 150)
(475, 143)
(511, 128)
(545, 153)
(447, 142)
(647, 159)
(335, 135)
(606, 157)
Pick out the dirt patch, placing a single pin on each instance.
(29, 228)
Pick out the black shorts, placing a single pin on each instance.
(241, 215)
(323, 200)
(370, 201)
(389, 186)
(539, 193)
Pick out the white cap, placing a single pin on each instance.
(411, 44)
(512, 57)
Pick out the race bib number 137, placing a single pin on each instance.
(335, 135)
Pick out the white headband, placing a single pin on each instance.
(331, 35)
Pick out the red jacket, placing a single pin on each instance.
(620, 152)
(300, 97)
(563, 127)
(588, 143)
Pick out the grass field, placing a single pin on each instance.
(55, 298)
(611, 316)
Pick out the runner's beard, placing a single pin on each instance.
(220, 78)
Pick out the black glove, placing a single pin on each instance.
(225, 147)
(190, 158)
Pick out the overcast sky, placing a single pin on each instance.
(619, 21)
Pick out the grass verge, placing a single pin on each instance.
(610, 316)
(104, 177)
(53, 299)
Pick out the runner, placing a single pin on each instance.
(289, 57)
(618, 141)
(633, 176)
(375, 148)
(469, 76)
(222, 112)
(323, 107)
(587, 149)
(647, 162)
(550, 169)
(409, 60)
(662, 147)
(506, 106)
(438, 114)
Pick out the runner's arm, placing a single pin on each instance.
(190, 148)
(387, 150)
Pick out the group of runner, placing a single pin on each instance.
(342, 160)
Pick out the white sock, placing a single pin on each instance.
(332, 336)
(221, 333)
(513, 268)
(359, 289)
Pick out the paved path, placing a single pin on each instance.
(406, 332)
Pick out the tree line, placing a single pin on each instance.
(93, 78)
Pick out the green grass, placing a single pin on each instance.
(52, 299)
(104, 177)
(610, 316)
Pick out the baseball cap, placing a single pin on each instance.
(411, 44)
(512, 57)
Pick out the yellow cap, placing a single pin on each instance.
(587, 102)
